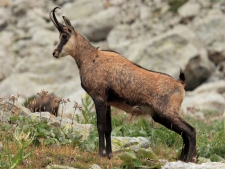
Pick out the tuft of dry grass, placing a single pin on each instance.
(165, 152)
(64, 155)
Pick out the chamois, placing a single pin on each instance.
(112, 80)
(46, 103)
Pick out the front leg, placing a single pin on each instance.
(101, 109)
(108, 131)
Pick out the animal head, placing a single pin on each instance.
(67, 36)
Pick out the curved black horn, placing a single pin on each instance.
(54, 20)
(50, 16)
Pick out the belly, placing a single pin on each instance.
(133, 109)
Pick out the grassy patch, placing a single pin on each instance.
(29, 143)
(65, 155)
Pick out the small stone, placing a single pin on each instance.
(95, 166)
(58, 167)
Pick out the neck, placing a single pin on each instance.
(84, 51)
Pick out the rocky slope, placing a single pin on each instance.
(156, 34)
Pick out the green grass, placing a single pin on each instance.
(30, 143)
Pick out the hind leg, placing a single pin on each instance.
(185, 148)
(190, 139)
(187, 132)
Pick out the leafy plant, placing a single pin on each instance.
(129, 159)
(142, 158)
(88, 117)
(11, 159)
(91, 143)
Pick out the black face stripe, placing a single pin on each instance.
(62, 43)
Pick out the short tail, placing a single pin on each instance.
(182, 76)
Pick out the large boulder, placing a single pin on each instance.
(189, 9)
(4, 16)
(219, 73)
(81, 8)
(183, 165)
(19, 83)
(198, 70)
(216, 52)
(210, 30)
(28, 84)
(166, 52)
(119, 38)
(207, 97)
(97, 26)
(7, 63)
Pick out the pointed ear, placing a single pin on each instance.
(68, 24)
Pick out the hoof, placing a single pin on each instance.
(109, 156)
(102, 153)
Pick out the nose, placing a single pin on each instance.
(55, 54)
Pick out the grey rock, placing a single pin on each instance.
(208, 97)
(95, 166)
(24, 84)
(217, 52)
(30, 20)
(6, 63)
(115, 2)
(119, 38)
(145, 12)
(189, 9)
(7, 38)
(39, 34)
(82, 129)
(23, 110)
(81, 8)
(42, 75)
(8, 109)
(102, 45)
(127, 143)
(204, 3)
(205, 28)
(217, 86)
(4, 16)
(198, 70)
(42, 115)
(219, 73)
(182, 165)
(164, 53)
(97, 26)
(55, 166)
(62, 2)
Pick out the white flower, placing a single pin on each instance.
(24, 139)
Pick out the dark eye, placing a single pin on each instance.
(64, 36)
